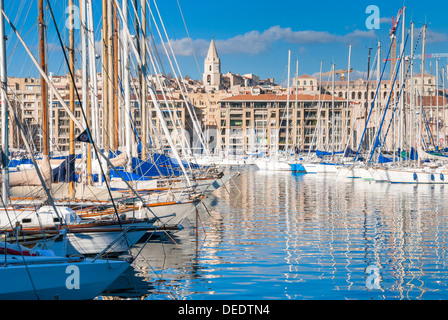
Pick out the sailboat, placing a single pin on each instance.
(37, 274)
(25, 276)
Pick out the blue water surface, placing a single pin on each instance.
(281, 236)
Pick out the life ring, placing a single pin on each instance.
(441, 141)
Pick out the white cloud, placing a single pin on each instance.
(255, 42)
(183, 47)
(434, 37)
(431, 36)
(386, 20)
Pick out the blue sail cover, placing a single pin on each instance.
(142, 170)
(383, 159)
(325, 153)
(149, 169)
(62, 172)
(16, 162)
(414, 154)
(349, 152)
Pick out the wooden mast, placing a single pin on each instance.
(44, 90)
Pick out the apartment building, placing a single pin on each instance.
(269, 123)
(26, 94)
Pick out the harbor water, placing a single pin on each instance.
(284, 235)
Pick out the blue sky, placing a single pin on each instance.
(253, 36)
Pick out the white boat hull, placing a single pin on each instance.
(320, 168)
(92, 243)
(273, 165)
(310, 167)
(354, 173)
(413, 176)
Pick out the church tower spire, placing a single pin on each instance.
(212, 55)
(212, 69)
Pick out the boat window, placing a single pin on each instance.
(27, 220)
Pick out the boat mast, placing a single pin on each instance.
(332, 109)
(412, 93)
(437, 101)
(287, 103)
(4, 104)
(401, 123)
(110, 76)
(144, 92)
(127, 89)
(345, 141)
(422, 75)
(444, 103)
(320, 136)
(71, 157)
(296, 141)
(367, 99)
(87, 165)
(50, 112)
(105, 89)
(115, 78)
(378, 79)
(93, 79)
(44, 89)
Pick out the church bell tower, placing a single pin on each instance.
(212, 69)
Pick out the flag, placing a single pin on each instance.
(84, 137)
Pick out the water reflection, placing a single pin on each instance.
(298, 236)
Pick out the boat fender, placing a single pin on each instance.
(432, 177)
(442, 177)
(415, 176)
